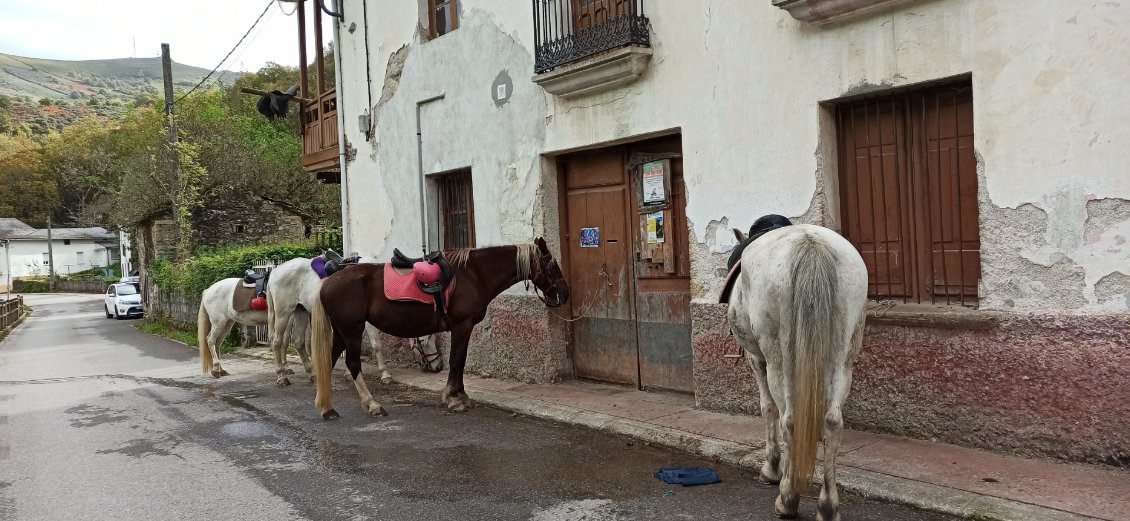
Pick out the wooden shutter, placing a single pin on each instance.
(908, 192)
(458, 209)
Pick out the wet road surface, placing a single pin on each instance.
(101, 421)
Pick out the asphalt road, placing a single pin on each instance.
(101, 421)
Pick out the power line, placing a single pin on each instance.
(240, 55)
(249, 29)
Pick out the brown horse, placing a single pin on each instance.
(350, 298)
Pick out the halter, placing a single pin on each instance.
(552, 285)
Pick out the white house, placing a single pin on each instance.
(974, 152)
(73, 249)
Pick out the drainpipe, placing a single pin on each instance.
(346, 244)
(420, 173)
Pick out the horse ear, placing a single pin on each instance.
(741, 236)
(540, 242)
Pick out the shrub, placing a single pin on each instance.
(203, 269)
(30, 286)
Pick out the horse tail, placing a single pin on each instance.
(321, 351)
(813, 323)
(203, 331)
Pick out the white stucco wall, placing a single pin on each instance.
(743, 82)
(27, 257)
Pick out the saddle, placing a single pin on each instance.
(257, 281)
(330, 262)
(760, 227)
(251, 293)
(430, 278)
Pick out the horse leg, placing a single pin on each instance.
(828, 507)
(301, 322)
(453, 394)
(386, 378)
(220, 329)
(771, 469)
(788, 500)
(351, 337)
(277, 324)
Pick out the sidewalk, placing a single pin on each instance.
(933, 476)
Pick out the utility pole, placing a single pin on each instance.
(50, 258)
(167, 73)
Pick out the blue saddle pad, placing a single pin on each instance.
(688, 476)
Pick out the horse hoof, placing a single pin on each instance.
(832, 517)
(217, 374)
(782, 512)
(282, 382)
(377, 411)
(456, 407)
(330, 415)
(386, 380)
(769, 479)
(288, 371)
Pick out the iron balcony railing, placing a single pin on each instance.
(568, 30)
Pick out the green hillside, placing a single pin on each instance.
(117, 79)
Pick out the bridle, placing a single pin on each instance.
(426, 359)
(547, 258)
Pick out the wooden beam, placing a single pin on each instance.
(264, 93)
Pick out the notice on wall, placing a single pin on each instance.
(652, 186)
(655, 228)
(590, 237)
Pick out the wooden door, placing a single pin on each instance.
(663, 289)
(600, 275)
(632, 313)
(587, 13)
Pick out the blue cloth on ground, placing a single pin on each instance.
(688, 476)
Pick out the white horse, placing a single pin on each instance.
(291, 294)
(216, 318)
(797, 308)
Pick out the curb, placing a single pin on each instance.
(862, 482)
(865, 483)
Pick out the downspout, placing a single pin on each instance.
(420, 172)
(338, 84)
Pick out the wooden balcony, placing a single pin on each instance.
(319, 135)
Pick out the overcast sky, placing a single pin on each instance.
(199, 32)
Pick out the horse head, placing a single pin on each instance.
(548, 277)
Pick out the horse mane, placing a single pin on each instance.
(459, 257)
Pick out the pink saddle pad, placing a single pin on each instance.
(402, 287)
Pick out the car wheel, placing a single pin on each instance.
(108, 315)
(116, 315)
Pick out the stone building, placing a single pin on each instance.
(975, 153)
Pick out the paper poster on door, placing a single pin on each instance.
(655, 228)
(590, 237)
(652, 185)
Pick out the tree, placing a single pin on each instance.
(83, 167)
(26, 192)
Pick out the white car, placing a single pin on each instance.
(123, 300)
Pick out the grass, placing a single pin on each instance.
(187, 337)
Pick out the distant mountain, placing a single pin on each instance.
(119, 79)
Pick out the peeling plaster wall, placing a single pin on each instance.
(743, 83)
